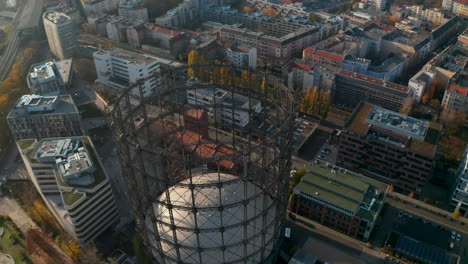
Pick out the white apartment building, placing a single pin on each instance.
(69, 176)
(132, 10)
(380, 4)
(459, 197)
(61, 35)
(430, 14)
(242, 56)
(237, 106)
(420, 82)
(455, 99)
(98, 6)
(119, 69)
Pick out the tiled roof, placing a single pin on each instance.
(461, 90)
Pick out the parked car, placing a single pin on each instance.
(458, 237)
(453, 235)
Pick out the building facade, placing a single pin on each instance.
(343, 200)
(38, 117)
(389, 147)
(132, 10)
(72, 181)
(455, 99)
(118, 68)
(242, 56)
(61, 35)
(459, 198)
(204, 98)
(352, 88)
(98, 6)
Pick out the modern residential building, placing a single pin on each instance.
(459, 197)
(61, 35)
(204, 97)
(242, 56)
(350, 89)
(98, 6)
(38, 117)
(118, 68)
(389, 147)
(341, 199)
(133, 10)
(71, 179)
(183, 15)
(50, 77)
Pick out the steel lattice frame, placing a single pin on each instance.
(153, 161)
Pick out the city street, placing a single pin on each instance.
(329, 245)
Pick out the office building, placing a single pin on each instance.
(98, 6)
(242, 56)
(38, 117)
(227, 115)
(71, 179)
(389, 147)
(50, 77)
(61, 35)
(132, 10)
(459, 197)
(341, 199)
(118, 68)
(352, 88)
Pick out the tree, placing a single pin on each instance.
(394, 19)
(90, 255)
(71, 248)
(249, 9)
(245, 78)
(193, 59)
(456, 213)
(407, 106)
(107, 45)
(269, 11)
(314, 18)
(264, 85)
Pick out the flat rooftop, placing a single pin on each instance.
(29, 105)
(397, 122)
(346, 190)
(43, 72)
(56, 17)
(423, 135)
(365, 78)
(130, 56)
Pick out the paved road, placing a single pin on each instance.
(9, 207)
(6, 61)
(330, 245)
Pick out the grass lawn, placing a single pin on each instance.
(13, 242)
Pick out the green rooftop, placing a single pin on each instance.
(343, 189)
(25, 143)
(71, 197)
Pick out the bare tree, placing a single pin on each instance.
(90, 255)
